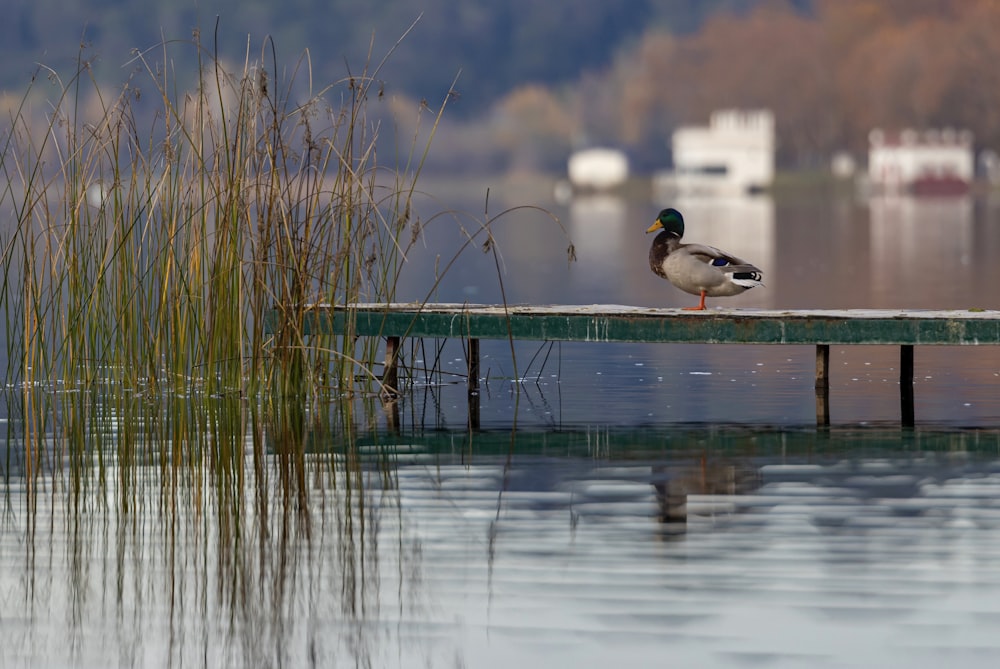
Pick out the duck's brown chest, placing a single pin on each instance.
(658, 253)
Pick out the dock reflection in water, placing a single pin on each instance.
(870, 557)
(714, 546)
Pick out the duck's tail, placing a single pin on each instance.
(748, 279)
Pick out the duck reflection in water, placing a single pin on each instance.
(673, 485)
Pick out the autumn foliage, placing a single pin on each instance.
(829, 77)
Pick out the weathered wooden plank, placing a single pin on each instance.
(613, 323)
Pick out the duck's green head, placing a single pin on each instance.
(669, 220)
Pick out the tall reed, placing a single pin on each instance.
(155, 229)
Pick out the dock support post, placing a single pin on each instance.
(390, 375)
(906, 384)
(473, 384)
(473, 365)
(822, 384)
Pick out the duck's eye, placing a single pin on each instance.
(720, 262)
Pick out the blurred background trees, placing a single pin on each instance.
(830, 75)
(540, 79)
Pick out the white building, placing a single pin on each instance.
(935, 161)
(733, 155)
(597, 169)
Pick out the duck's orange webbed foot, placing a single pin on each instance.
(701, 305)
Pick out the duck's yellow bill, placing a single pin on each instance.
(655, 226)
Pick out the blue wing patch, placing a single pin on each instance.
(720, 262)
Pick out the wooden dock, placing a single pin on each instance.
(615, 323)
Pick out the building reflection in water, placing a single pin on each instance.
(921, 249)
(601, 228)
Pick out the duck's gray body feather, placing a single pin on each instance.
(698, 268)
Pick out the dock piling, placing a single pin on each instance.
(390, 374)
(906, 385)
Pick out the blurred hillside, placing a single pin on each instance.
(536, 80)
(496, 46)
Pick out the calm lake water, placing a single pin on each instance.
(816, 253)
(623, 505)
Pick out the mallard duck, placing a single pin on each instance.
(696, 268)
